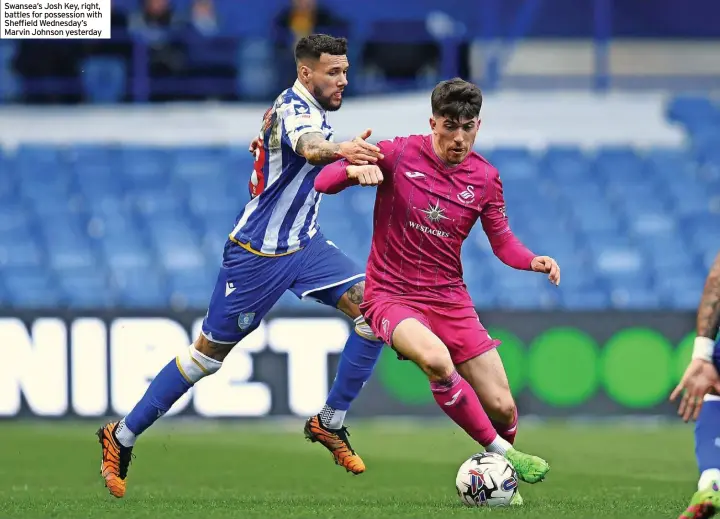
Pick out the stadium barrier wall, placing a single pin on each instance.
(60, 365)
(524, 119)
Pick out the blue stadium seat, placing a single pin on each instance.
(669, 162)
(618, 162)
(8, 187)
(172, 232)
(254, 79)
(527, 298)
(190, 289)
(125, 251)
(21, 252)
(584, 299)
(104, 79)
(482, 296)
(632, 229)
(213, 197)
(157, 203)
(202, 165)
(146, 168)
(634, 298)
(71, 256)
(566, 165)
(15, 227)
(31, 288)
(691, 110)
(182, 258)
(652, 223)
(682, 299)
(140, 288)
(86, 288)
(514, 163)
(9, 79)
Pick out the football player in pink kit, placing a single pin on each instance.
(432, 190)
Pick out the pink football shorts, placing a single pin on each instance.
(459, 327)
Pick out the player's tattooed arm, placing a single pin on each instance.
(319, 152)
(355, 293)
(708, 316)
(316, 150)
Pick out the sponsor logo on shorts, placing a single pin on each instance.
(245, 320)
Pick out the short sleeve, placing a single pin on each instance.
(299, 119)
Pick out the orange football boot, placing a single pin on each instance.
(336, 441)
(115, 460)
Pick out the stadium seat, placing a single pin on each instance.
(9, 80)
(104, 79)
(148, 225)
(254, 79)
(689, 110)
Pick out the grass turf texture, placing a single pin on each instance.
(264, 470)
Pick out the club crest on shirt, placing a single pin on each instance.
(467, 196)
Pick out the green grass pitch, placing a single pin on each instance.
(267, 470)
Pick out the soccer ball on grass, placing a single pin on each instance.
(486, 479)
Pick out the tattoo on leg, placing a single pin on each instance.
(355, 293)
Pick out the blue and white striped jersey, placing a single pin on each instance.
(281, 216)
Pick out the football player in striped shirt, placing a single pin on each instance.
(275, 246)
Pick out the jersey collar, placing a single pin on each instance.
(303, 92)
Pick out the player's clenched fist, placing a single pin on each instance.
(359, 152)
(547, 265)
(365, 175)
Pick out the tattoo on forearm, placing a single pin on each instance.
(355, 294)
(708, 316)
(316, 149)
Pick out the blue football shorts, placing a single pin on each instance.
(248, 285)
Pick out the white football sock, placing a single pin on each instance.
(124, 435)
(332, 418)
(499, 445)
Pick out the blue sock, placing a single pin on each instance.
(707, 438)
(356, 365)
(165, 389)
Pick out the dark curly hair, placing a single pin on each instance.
(313, 46)
(456, 99)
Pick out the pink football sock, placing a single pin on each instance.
(507, 431)
(458, 400)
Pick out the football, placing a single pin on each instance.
(486, 479)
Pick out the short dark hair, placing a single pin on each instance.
(456, 99)
(313, 46)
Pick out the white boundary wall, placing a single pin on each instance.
(509, 119)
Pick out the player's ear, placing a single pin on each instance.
(478, 123)
(304, 72)
(433, 123)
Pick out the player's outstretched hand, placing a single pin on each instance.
(699, 379)
(359, 152)
(369, 175)
(547, 265)
(256, 143)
